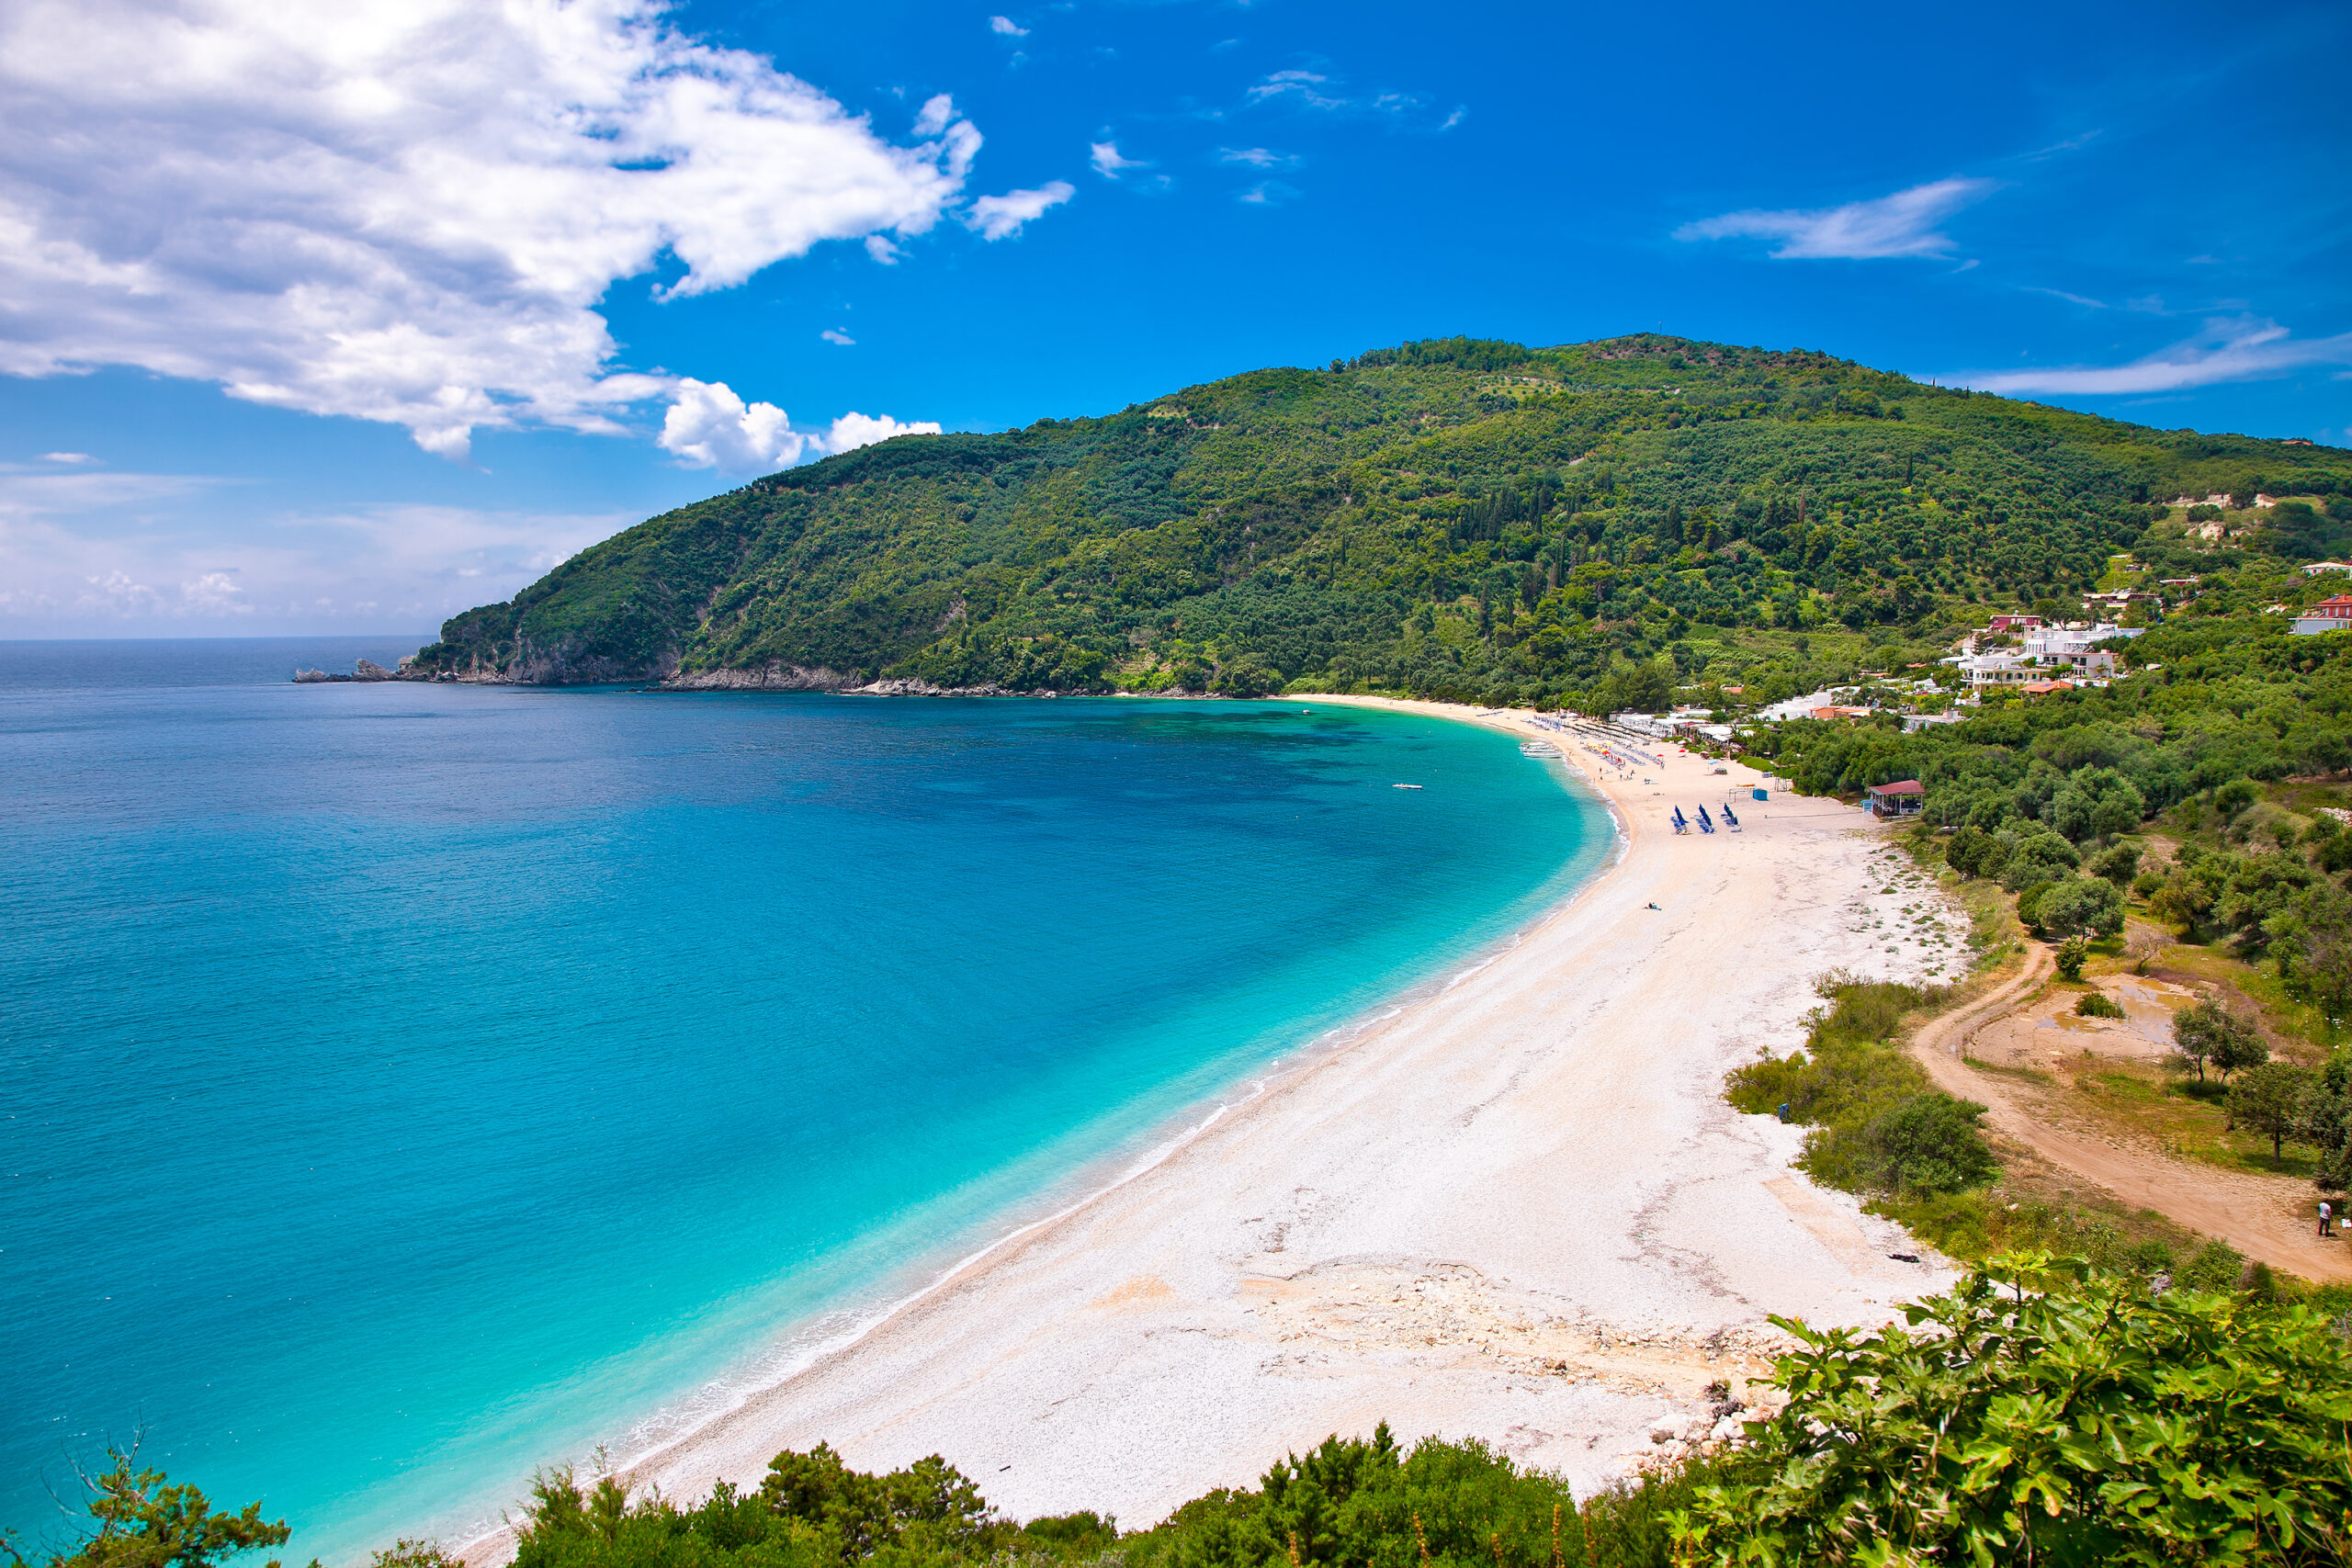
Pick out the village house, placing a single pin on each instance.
(2327, 616)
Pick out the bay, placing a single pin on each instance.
(403, 1086)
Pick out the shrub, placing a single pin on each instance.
(2006, 1423)
(1931, 1144)
(2096, 1004)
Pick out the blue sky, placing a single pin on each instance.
(352, 320)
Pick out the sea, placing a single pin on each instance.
(405, 1086)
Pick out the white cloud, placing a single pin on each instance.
(710, 426)
(1902, 224)
(67, 458)
(1006, 27)
(839, 338)
(879, 247)
(1255, 157)
(1108, 160)
(407, 210)
(1000, 217)
(216, 594)
(934, 115)
(2243, 348)
(854, 430)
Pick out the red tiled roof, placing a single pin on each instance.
(1906, 786)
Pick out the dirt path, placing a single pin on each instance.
(2266, 1217)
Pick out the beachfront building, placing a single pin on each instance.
(1901, 798)
(2311, 570)
(2327, 616)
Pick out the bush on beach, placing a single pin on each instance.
(1877, 1126)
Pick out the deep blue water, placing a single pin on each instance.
(404, 1086)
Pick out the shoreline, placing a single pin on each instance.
(1037, 1361)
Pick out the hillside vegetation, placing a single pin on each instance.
(1459, 518)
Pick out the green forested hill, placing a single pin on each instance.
(1460, 518)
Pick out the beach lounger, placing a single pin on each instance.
(1706, 823)
(1729, 820)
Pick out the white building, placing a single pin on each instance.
(2047, 653)
(2319, 566)
(1914, 722)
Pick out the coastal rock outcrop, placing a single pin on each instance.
(771, 677)
(364, 670)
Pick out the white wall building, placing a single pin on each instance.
(2046, 653)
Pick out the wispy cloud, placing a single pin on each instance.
(67, 458)
(211, 559)
(1006, 27)
(1256, 157)
(2084, 300)
(1300, 87)
(1267, 193)
(2072, 144)
(2244, 348)
(1324, 94)
(1902, 224)
(1000, 217)
(839, 338)
(1108, 160)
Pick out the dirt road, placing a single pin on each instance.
(2268, 1218)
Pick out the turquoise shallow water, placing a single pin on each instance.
(403, 1086)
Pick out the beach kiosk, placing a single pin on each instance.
(1901, 798)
